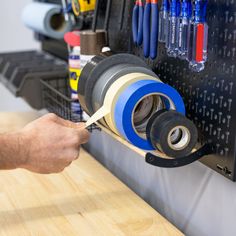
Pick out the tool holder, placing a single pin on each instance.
(20, 73)
(156, 160)
(56, 98)
(209, 94)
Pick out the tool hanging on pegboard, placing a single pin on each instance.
(124, 95)
(150, 29)
(145, 26)
(182, 27)
(83, 6)
(198, 37)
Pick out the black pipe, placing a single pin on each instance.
(107, 16)
(95, 16)
(122, 12)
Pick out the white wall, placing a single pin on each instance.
(14, 36)
(199, 201)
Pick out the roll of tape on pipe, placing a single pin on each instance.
(89, 67)
(102, 67)
(47, 19)
(115, 91)
(109, 77)
(172, 133)
(130, 98)
(111, 97)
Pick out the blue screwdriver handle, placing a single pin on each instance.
(140, 23)
(146, 29)
(135, 22)
(154, 29)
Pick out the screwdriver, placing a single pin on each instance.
(185, 17)
(163, 21)
(173, 28)
(198, 37)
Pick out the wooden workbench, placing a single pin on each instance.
(86, 199)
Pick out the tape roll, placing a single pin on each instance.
(172, 133)
(115, 91)
(109, 77)
(90, 66)
(47, 19)
(128, 101)
(103, 66)
(76, 7)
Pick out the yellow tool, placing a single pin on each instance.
(83, 6)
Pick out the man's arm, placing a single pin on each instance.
(46, 145)
(11, 155)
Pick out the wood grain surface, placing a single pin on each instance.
(86, 199)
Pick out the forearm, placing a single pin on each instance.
(11, 153)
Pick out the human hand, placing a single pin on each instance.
(50, 144)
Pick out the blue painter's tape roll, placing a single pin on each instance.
(128, 100)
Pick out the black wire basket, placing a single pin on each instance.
(57, 99)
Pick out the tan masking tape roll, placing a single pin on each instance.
(114, 92)
(112, 96)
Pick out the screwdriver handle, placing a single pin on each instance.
(135, 22)
(146, 29)
(140, 23)
(154, 29)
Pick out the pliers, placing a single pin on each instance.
(137, 22)
(150, 32)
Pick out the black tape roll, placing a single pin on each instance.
(109, 77)
(172, 133)
(84, 78)
(103, 66)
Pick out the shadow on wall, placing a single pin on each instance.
(194, 198)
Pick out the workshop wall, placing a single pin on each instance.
(14, 37)
(196, 199)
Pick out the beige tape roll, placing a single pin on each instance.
(112, 95)
(114, 92)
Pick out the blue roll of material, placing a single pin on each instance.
(130, 98)
(46, 18)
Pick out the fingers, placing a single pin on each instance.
(79, 127)
(67, 123)
(83, 135)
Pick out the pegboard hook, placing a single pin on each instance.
(155, 160)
